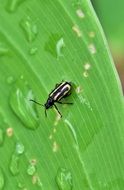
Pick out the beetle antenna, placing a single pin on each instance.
(36, 102)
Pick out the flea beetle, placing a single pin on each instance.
(60, 91)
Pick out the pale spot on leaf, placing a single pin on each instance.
(76, 29)
(80, 13)
(92, 48)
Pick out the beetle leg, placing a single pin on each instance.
(56, 85)
(57, 110)
(65, 102)
(45, 113)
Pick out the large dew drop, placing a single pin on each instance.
(22, 106)
(64, 179)
(15, 158)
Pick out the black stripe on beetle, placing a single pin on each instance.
(61, 91)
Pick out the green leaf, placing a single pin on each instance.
(112, 22)
(41, 44)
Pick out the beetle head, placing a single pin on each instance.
(49, 103)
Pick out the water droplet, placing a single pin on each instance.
(59, 46)
(80, 13)
(19, 100)
(12, 5)
(1, 179)
(64, 179)
(92, 48)
(19, 148)
(9, 132)
(33, 50)
(31, 169)
(1, 136)
(30, 28)
(3, 49)
(55, 45)
(14, 164)
(10, 80)
(76, 29)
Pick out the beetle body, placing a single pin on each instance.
(61, 91)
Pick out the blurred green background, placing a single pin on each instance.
(111, 16)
